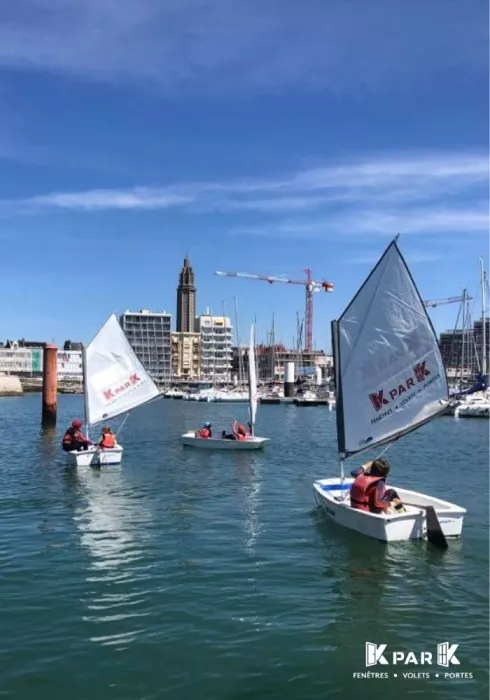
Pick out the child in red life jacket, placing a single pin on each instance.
(369, 492)
(108, 440)
(205, 432)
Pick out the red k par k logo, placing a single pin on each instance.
(112, 393)
(421, 371)
(379, 400)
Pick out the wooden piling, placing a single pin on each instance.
(50, 385)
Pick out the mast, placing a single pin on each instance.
(85, 392)
(240, 359)
(483, 317)
(251, 358)
(273, 350)
(224, 326)
(463, 341)
(339, 413)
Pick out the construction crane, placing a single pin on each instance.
(448, 300)
(310, 287)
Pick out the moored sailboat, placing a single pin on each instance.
(115, 382)
(390, 380)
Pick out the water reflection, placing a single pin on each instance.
(113, 528)
(250, 483)
(107, 519)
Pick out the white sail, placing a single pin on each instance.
(252, 378)
(115, 380)
(390, 374)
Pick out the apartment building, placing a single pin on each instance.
(186, 355)
(216, 351)
(148, 333)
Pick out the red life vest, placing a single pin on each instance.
(108, 441)
(239, 431)
(362, 491)
(204, 433)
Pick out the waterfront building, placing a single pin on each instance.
(216, 350)
(186, 355)
(148, 333)
(25, 359)
(70, 365)
(186, 299)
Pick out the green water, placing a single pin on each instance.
(189, 574)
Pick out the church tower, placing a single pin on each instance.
(186, 299)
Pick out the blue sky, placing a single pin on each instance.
(260, 137)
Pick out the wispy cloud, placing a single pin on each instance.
(371, 222)
(429, 193)
(253, 44)
(432, 194)
(96, 200)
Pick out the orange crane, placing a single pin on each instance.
(310, 287)
(448, 300)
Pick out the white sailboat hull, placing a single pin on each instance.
(95, 457)
(387, 528)
(190, 440)
(475, 410)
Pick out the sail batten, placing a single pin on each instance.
(389, 371)
(252, 379)
(115, 380)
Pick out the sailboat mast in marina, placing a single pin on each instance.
(390, 380)
(252, 381)
(114, 383)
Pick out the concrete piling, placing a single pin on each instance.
(50, 385)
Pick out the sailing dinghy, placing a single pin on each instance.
(252, 442)
(115, 382)
(390, 380)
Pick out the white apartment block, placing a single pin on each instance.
(216, 352)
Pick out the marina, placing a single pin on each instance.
(228, 556)
(244, 350)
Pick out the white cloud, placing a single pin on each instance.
(375, 223)
(191, 46)
(389, 179)
(95, 200)
(380, 196)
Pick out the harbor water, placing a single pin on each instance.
(187, 573)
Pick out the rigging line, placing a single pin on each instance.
(385, 449)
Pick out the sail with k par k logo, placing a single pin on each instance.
(116, 381)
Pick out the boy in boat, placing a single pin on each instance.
(205, 432)
(74, 439)
(369, 492)
(108, 440)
